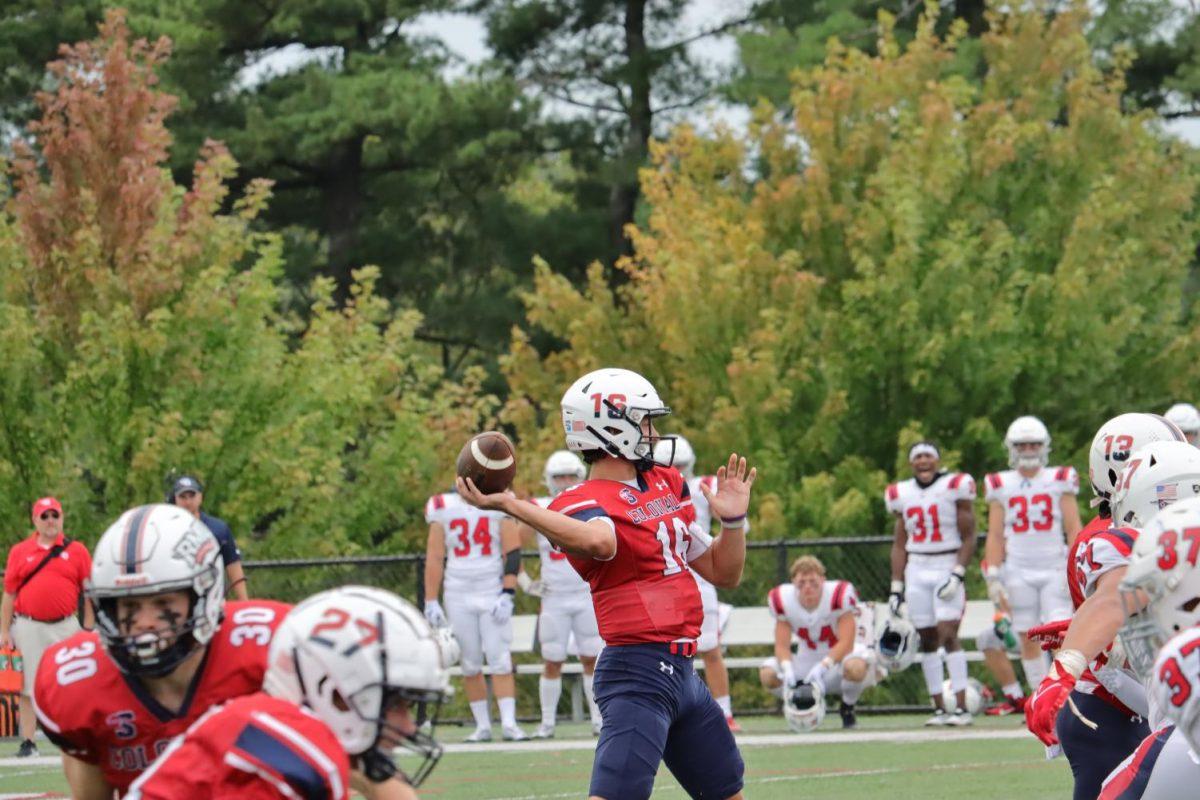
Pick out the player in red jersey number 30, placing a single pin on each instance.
(630, 532)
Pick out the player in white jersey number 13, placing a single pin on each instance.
(1032, 520)
(934, 542)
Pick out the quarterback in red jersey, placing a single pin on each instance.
(347, 669)
(167, 647)
(629, 532)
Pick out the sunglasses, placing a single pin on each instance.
(49, 515)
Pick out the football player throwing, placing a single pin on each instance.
(628, 532)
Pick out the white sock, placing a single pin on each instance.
(956, 665)
(508, 711)
(851, 691)
(1035, 671)
(1013, 691)
(590, 693)
(931, 667)
(549, 690)
(479, 710)
(726, 704)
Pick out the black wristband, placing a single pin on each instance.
(509, 590)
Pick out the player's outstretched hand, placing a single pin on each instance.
(731, 500)
(468, 491)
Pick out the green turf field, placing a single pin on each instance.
(890, 757)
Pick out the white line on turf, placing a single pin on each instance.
(745, 740)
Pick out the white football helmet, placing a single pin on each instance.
(897, 644)
(1027, 430)
(1163, 568)
(604, 411)
(1175, 684)
(350, 655)
(561, 464)
(804, 707)
(682, 458)
(1115, 442)
(151, 550)
(1187, 418)
(975, 692)
(1155, 476)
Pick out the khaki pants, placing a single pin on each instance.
(32, 638)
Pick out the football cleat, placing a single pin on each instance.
(849, 719)
(480, 735)
(27, 749)
(939, 719)
(544, 731)
(959, 719)
(514, 734)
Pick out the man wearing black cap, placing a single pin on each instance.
(188, 493)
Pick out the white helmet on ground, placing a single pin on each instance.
(1175, 684)
(897, 644)
(1115, 442)
(604, 411)
(1186, 417)
(1027, 430)
(351, 654)
(1155, 476)
(683, 457)
(975, 695)
(150, 550)
(804, 707)
(562, 463)
(1163, 566)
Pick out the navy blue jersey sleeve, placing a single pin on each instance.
(230, 553)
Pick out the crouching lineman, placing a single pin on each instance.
(347, 670)
(166, 648)
(566, 605)
(1163, 576)
(479, 552)
(933, 543)
(823, 615)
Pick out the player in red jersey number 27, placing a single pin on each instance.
(629, 532)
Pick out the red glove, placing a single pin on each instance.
(1042, 709)
(1049, 636)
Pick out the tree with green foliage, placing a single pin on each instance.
(145, 326)
(909, 254)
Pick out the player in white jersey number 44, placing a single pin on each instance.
(934, 542)
(1032, 520)
(567, 612)
(479, 553)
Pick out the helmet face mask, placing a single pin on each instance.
(897, 644)
(676, 451)
(148, 552)
(1028, 444)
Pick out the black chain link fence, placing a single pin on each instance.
(864, 561)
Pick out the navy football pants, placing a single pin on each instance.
(1093, 754)
(657, 709)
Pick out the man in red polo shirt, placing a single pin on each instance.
(42, 584)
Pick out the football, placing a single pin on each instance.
(489, 460)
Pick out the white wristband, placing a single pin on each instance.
(992, 572)
(897, 587)
(1071, 661)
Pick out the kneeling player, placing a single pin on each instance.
(347, 669)
(166, 649)
(823, 615)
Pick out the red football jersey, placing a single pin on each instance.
(1099, 548)
(100, 715)
(256, 747)
(646, 592)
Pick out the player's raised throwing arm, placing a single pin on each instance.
(722, 564)
(594, 538)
